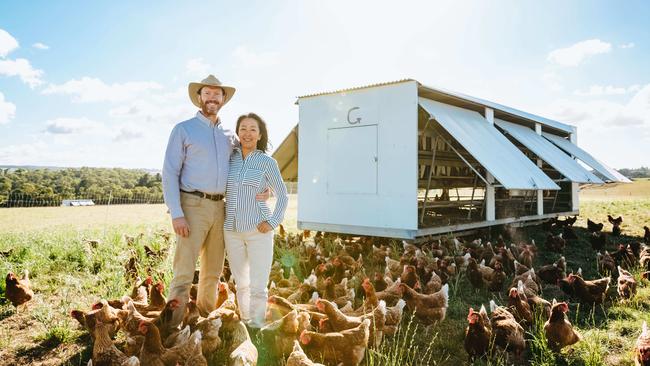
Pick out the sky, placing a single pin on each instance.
(102, 83)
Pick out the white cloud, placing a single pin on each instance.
(604, 114)
(41, 46)
(7, 43)
(577, 53)
(128, 133)
(19, 154)
(249, 58)
(66, 126)
(7, 110)
(627, 45)
(599, 90)
(158, 109)
(22, 68)
(94, 90)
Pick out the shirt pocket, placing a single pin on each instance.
(252, 177)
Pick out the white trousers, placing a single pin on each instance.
(250, 255)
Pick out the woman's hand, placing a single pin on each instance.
(264, 227)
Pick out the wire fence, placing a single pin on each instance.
(9, 199)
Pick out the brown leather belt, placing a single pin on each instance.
(213, 197)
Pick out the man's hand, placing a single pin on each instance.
(261, 197)
(181, 227)
(264, 227)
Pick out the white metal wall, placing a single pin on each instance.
(357, 164)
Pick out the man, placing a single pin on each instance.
(194, 178)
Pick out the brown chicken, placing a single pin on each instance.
(104, 351)
(154, 353)
(555, 243)
(559, 331)
(210, 340)
(606, 263)
(394, 318)
(339, 321)
(346, 347)
(244, 352)
(299, 358)
(593, 291)
(507, 333)
(141, 290)
(280, 334)
(478, 334)
(518, 305)
(18, 291)
(551, 273)
(616, 224)
(427, 308)
(409, 276)
(642, 347)
(646, 235)
(626, 284)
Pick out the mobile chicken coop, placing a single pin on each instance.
(405, 160)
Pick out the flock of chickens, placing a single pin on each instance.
(340, 309)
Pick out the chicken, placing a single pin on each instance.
(646, 235)
(157, 297)
(346, 347)
(558, 330)
(210, 340)
(18, 291)
(495, 282)
(551, 273)
(140, 292)
(434, 284)
(642, 347)
(391, 295)
(409, 276)
(474, 274)
(616, 224)
(526, 257)
(606, 263)
(154, 353)
(427, 308)
(598, 240)
(555, 243)
(280, 334)
(626, 284)
(340, 321)
(518, 305)
(244, 352)
(593, 291)
(506, 332)
(104, 351)
(478, 333)
(624, 256)
(394, 318)
(299, 358)
(568, 233)
(592, 227)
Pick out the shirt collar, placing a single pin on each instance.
(206, 120)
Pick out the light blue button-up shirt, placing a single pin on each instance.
(246, 178)
(197, 159)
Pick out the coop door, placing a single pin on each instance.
(352, 160)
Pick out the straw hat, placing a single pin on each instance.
(211, 80)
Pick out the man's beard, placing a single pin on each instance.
(210, 109)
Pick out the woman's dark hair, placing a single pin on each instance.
(263, 143)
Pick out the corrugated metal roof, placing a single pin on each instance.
(548, 152)
(357, 88)
(489, 147)
(566, 145)
(478, 101)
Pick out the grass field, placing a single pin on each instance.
(67, 273)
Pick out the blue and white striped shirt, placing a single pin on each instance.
(246, 178)
(197, 159)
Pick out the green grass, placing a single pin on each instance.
(68, 273)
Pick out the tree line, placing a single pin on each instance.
(49, 187)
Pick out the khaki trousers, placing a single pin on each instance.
(250, 255)
(205, 219)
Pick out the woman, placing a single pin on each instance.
(248, 229)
